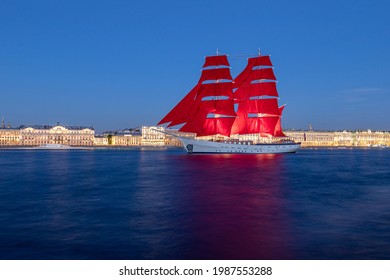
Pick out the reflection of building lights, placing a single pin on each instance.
(265, 156)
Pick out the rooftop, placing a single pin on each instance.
(70, 127)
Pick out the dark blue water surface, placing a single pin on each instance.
(165, 204)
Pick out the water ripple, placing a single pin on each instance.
(164, 204)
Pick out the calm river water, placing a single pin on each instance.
(165, 204)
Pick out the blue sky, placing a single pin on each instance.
(121, 64)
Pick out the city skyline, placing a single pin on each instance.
(123, 65)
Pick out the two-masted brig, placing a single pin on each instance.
(221, 105)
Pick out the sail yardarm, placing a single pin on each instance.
(262, 74)
(247, 91)
(180, 113)
(215, 74)
(215, 89)
(218, 60)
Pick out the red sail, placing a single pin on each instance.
(179, 114)
(203, 108)
(215, 89)
(281, 108)
(278, 128)
(247, 124)
(267, 106)
(217, 60)
(259, 61)
(215, 74)
(264, 125)
(268, 125)
(203, 126)
(195, 124)
(220, 126)
(208, 109)
(262, 74)
(220, 123)
(260, 115)
(240, 123)
(220, 107)
(245, 75)
(248, 75)
(242, 77)
(257, 89)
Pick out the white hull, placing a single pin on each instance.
(202, 146)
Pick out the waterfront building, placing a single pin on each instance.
(312, 138)
(365, 138)
(372, 138)
(35, 135)
(308, 138)
(125, 140)
(344, 138)
(153, 136)
(100, 140)
(121, 138)
(9, 136)
(126, 137)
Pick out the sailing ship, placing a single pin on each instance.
(221, 106)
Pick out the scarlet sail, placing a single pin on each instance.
(256, 89)
(181, 113)
(215, 89)
(216, 60)
(256, 96)
(215, 74)
(210, 108)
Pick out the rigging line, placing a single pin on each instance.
(240, 56)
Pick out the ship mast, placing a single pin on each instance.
(208, 109)
(256, 95)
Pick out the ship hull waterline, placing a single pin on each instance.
(202, 146)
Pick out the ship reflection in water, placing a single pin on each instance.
(235, 207)
(220, 207)
(164, 204)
